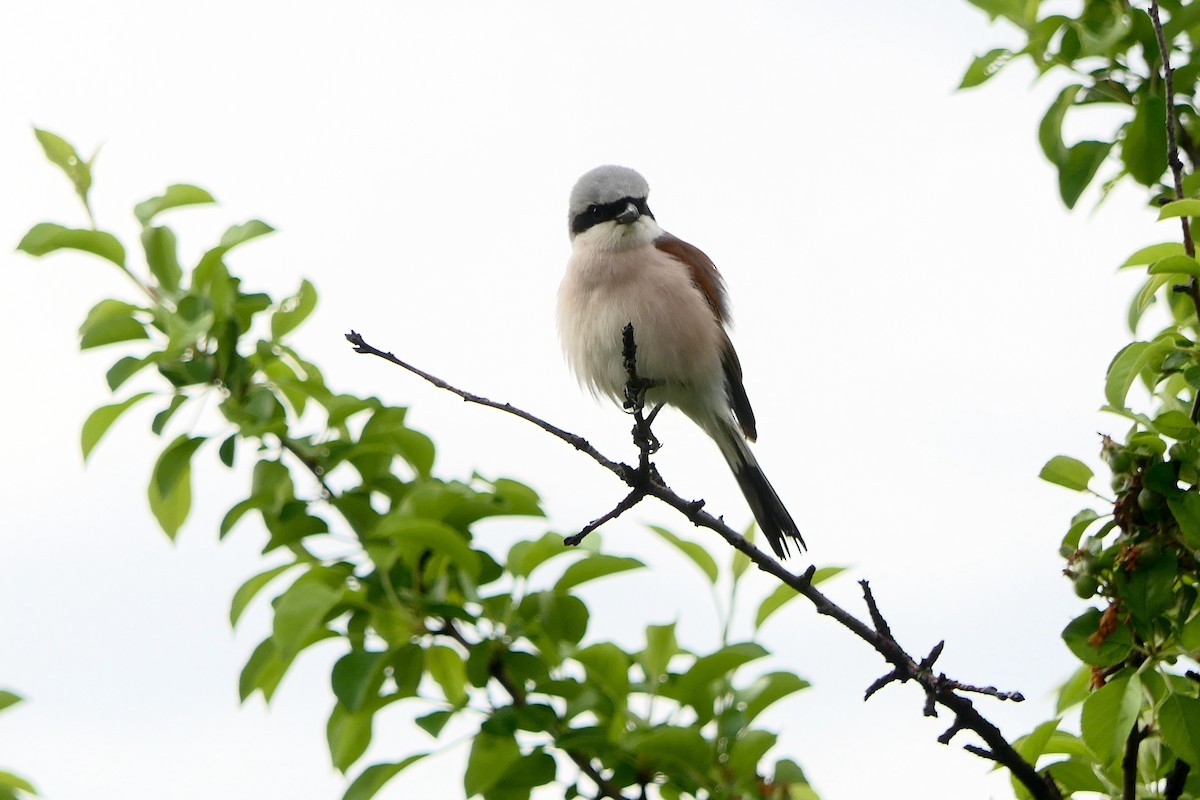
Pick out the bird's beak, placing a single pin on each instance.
(630, 214)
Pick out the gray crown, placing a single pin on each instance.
(606, 184)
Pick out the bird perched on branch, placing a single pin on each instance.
(625, 269)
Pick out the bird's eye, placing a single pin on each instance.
(593, 209)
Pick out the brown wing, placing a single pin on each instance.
(706, 278)
(703, 270)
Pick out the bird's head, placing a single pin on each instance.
(608, 206)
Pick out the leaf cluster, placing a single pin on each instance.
(13, 786)
(1110, 51)
(383, 559)
(1136, 692)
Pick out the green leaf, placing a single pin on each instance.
(125, 368)
(1033, 744)
(179, 194)
(1050, 129)
(1186, 510)
(1154, 252)
(1077, 169)
(446, 667)
(530, 771)
(768, 689)
(1013, 10)
(1066, 471)
(698, 555)
(748, 749)
(174, 462)
(1175, 424)
(299, 612)
(62, 154)
(228, 450)
(1074, 690)
(162, 257)
(1068, 744)
(9, 699)
(357, 676)
(660, 648)
(740, 562)
(1111, 650)
(1179, 721)
(1079, 523)
(10, 784)
(1144, 150)
(773, 602)
(266, 667)
(433, 722)
(163, 417)
(373, 778)
(412, 537)
(408, 667)
(680, 747)
(170, 490)
(563, 617)
(46, 237)
(607, 666)
(293, 311)
(239, 234)
(1175, 265)
(110, 321)
(349, 733)
(490, 758)
(100, 420)
(1144, 299)
(593, 567)
(525, 557)
(1128, 364)
(248, 590)
(1149, 590)
(1108, 716)
(693, 684)
(1188, 207)
(1076, 775)
(788, 771)
(984, 67)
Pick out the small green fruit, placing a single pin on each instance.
(1086, 586)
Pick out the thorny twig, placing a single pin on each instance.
(644, 481)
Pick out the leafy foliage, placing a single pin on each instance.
(1109, 49)
(12, 786)
(467, 640)
(1138, 686)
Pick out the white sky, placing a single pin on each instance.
(920, 323)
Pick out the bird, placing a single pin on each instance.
(624, 269)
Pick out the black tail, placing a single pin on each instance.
(773, 517)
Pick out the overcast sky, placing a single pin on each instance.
(921, 325)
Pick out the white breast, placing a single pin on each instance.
(679, 338)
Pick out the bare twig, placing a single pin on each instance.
(645, 482)
(578, 442)
(631, 500)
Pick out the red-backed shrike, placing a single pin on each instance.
(625, 269)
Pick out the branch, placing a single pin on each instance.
(1129, 761)
(645, 482)
(1175, 781)
(578, 442)
(1192, 288)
